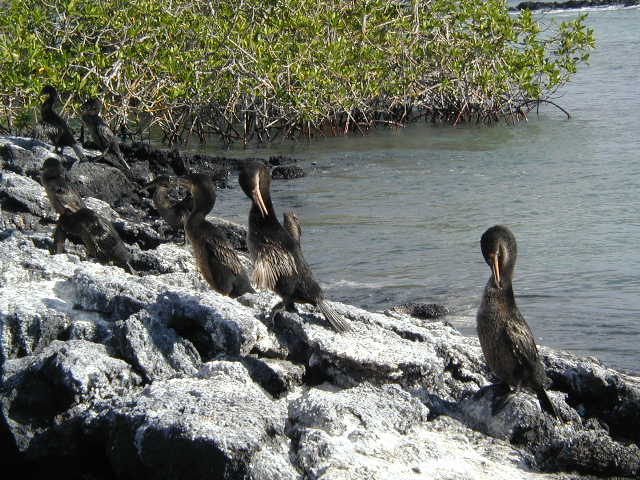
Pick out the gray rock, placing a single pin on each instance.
(154, 349)
(223, 426)
(40, 393)
(23, 203)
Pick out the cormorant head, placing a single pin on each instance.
(51, 168)
(202, 189)
(499, 249)
(255, 181)
(164, 181)
(49, 90)
(92, 106)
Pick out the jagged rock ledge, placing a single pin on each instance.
(156, 376)
(572, 4)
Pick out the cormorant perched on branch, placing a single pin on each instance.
(507, 342)
(56, 127)
(278, 261)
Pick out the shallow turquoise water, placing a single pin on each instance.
(397, 215)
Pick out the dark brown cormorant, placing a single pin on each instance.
(278, 262)
(56, 127)
(98, 235)
(62, 196)
(174, 213)
(217, 260)
(102, 135)
(507, 342)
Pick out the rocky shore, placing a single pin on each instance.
(105, 374)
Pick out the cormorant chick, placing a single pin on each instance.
(278, 262)
(98, 235)
(174, 213)
(62, 196)
(102, 135)
(507, 342)
(217, 261)
(56, 127)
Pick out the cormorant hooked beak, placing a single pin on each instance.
(257, 197)
(495, 268)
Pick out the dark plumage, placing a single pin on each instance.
(507, 342)
(217, 261)
(98, 235)
(173, 212)
(61, 194)
(278, 262)
(102, 135)
(56, 127)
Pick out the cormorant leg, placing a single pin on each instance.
(59, 237)
(501, 395)
(291, 307)
(279, 307)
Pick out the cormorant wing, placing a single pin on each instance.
(273, 262)
(69, 198)
(220, 248)
(519, 339)
(105, 134)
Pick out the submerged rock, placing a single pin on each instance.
(287, 172)
(156, 375)
(424, 311)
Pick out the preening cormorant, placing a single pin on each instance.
(278, 262)
(507, 342)
(217, 260)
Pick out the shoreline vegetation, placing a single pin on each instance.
(256, 72)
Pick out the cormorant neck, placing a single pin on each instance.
(203, 202)
(255, 214)
(161, 194)
(504, 294)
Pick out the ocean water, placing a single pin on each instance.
(397, 215)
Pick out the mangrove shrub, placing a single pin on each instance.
(256, 69)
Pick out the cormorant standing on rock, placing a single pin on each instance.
(62, 196)
(55, 126)
(507, 342)
(217, 260)
(174, 213)
(278, 262)
(102, 135)
(100, 238)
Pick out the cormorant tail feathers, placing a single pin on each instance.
(336, 320)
